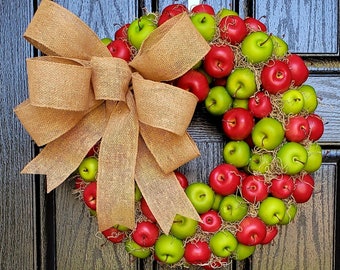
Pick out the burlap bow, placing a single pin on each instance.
(79, 94)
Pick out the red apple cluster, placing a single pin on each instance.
(257, 88)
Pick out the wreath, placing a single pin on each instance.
(130, 99)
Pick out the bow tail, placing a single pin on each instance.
(62, 156)
(117, 160)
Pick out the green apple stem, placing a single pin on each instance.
(138, 22)
(261, 44)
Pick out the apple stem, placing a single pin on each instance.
(139, 24)
(203, 19)
(238, 88)
(261, 44)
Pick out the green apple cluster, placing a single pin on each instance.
(257, 90)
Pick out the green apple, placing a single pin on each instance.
(169, 249)
(223, 243)
(88, 169)
(272, 210)
(257, 47)
(310, 98)
(237, 153)
(106, 41)
(292, 101)
(201, 196)
(205, 25)
(138, 194)
(121, 227)
(260, 163)
(218, 100)
(136, 250)
(293, 157)
(314, 160)
(183, 227)
(268, 133)
(139, 30)
(233, 208)
(223, 12)
(243, 251)
(217, 202)
(291, 210)
(241, 83)
(240, 103)
(280, 46)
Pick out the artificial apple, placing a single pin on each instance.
(243, 251)
(139, 30)
(316, 127)
(293, 157)
(197, 252)
(240, 103)
(290, 214)
(217, 201)
(106, 41)
(280, 46)
(297, 128)
(169, 249)
(121, 33)
(138, 194)
(136, 250)
(218, 100)
(254, 188)
(211, 221)
(298, 69)
(282, 186)
(257, 47)
(292, 101)
(195, 82)
(223, 243)
(219, 61)
(276, 77)
(223, 12)
(237, 123)
(314, 160)
(182, 179)
(271, 232)
(251, 231)
(233, 208)
(272, 210)
(260, 105)
(224, 179)
(183, 227)
(304, 187)
(232, 29)
(120, 49)
(88, 169)
(145, 234)
(204, 7)
(205, 24)
(241, 83)
(171, 11)
(201, 196)
(90, 195)
(237, 153)
(114, 235)
(260, 162)
(254, 25)
(268, 133)
(146, 210)
(310, 98)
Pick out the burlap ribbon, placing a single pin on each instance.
(79, 94)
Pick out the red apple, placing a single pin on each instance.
(219, 61)
(79, 184)
(260, 105)
(121, 33)
(114, 235)
(90, 195)
(224, 179)
(254, 25)
(271, 232)
(94, 150)
(304, 187)
(298, 69)
(233, 29)
(195, 82)
(146, 210)
(297, 129)
(211, 221)
(120, 49)
(197, 252)
(254, 188)
(203, 8)
(182, 179)
(171, 11)
(282, 186)
(276, 77)
(316, 127)
(251, 231)
(145, 234)
(237, 123)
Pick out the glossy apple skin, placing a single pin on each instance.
(254, 188)
(182, 179)
(114, 235)
(271, 232)
(145, 234)
(120, 49)
(282, 186)
(260, 105)
(276, 77)
(90, 195)
(197, 252)
(237, 123)
(233, 29)
(304, 187)
(292, 157)
(297, 129)
(203, 8)
(252, 231)
(219, 61)
(121, 33)
(223, 243)
(316, 126)
(171, 11)
(169, 249)
(205, 25)
(233, 208)
(272, 210)
(88, 169)
(211, 221)
(201, 196)
(298, 69)
(194, 82)
(146, 210)
(257, 47)
(224, 179)
(254, 25)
